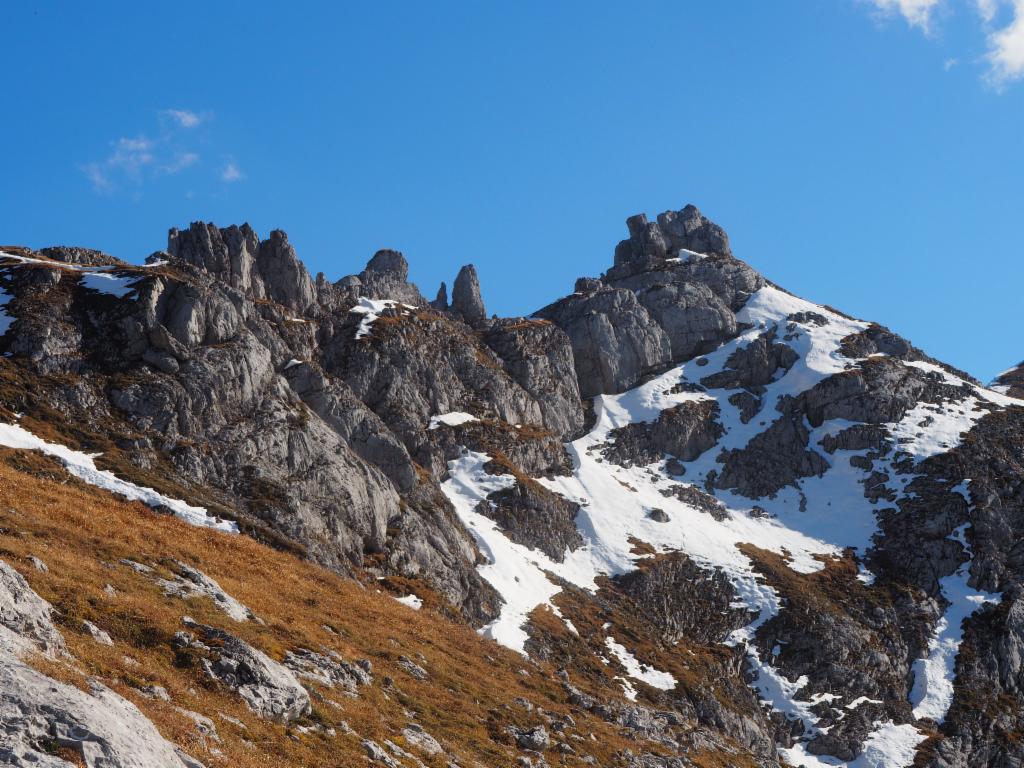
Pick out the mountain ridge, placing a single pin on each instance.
(677, 439)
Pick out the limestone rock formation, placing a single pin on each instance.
(467, 303)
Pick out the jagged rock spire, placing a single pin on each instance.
(466, 300)
(441, 302)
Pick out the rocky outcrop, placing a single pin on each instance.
(772, 460)
(467, 303)
(37, 712)
(539, 357)
(535, 517)
(686, 229)
(191, 582)
(25, 618)
(1011, 381)
(615, 343)
(754, 366)
(387, 277)
(684, 600)
(264, 270)
(99, 727)
(267, 687)
(684, 431)
(682, 297)
(329, 669)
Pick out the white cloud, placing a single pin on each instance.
(918, 13)
(1006, 49)
(128, 158)
(231, 173)
(987, 9)
(183, 117)
(97, 176)
(180, 162)
(1005, 55)
(135, 160)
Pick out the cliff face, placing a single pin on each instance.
(719, 506)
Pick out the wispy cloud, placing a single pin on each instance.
(185, 118)
(180, 162)
(918, 13)
(168, 149)
(1004, 58)
(127, 158)
(987, 9)
(231, 173)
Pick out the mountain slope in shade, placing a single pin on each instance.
(732, 524)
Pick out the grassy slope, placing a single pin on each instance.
(81, 533)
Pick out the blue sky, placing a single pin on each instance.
(862, 153)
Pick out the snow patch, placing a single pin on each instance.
(932, 693)
(411, 600)
(453, 419)
(371, 309)
(104, 282)
(888, 746)
(82, 466)
(639, 671)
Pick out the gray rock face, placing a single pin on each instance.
(25, 618)
(684, 600)
(387, 277)
(440, 302)
(772, 460)
(673, 231)
(285, 278)
(268, 688)
(1012, 381)
(684, 431)
(229, 254)
(535, 517)
(105, 729)
(755, 365)
(191, 582)
(264, 270)
(422, 365)
(466, 300)
(538, 356)
(615, 343)
(328, 669)
(688, 303)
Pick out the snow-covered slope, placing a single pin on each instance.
(816, 518)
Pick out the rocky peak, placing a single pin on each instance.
(389, 261)
(466, 300)
(387, 277)
(228, 254)
(285, 278)
(687, 229)
(235, 255)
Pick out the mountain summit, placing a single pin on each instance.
(696, 519)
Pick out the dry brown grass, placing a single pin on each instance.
(82, 533)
